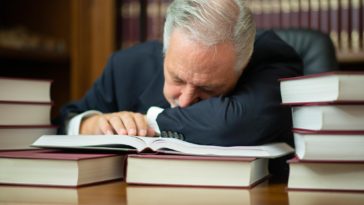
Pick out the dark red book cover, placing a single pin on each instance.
(52, 154)
(276, 14)
(315, 14)
(285, 14)
(256, 8)
(305, 13)
(324, 16)
(334, 22)
(317, 75)
(295, 14)
(344, 25)
(355, 25)
(328, 132)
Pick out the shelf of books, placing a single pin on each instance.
(341, 19)
(328, 128)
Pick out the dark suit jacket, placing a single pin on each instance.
(251, 114)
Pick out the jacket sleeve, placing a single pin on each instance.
(251, 115)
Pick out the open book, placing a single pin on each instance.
(160, 145)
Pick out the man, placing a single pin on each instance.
(209, 87)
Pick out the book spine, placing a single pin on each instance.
(256, 8)
(162, 17)
(315, 14)
(295, 13)
(355, 25)
(305, 13)
(267, 12)
(324, 16)
(153, 26)
(344, 26)
(362, 24)
(276, 17)
(286, 9)
(334, 22)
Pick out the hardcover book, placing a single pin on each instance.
(329, 117)
(158, 144)
(324, 87)
(329, 145)
(21, 137)
(25, 90)
(326, 175)
(24, 113)
(199, 171)
(55, 168)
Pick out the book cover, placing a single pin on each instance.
(195, 171)
(307, 197)
(57, 168)
(324, 175)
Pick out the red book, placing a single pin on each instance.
(329, 116)
(340, 87)
(355, 25)
(286, 14)
(256, 8)
(295, 14)
(326, 175)
(345, 25)
(24, 113)
(21, 137)
(325, 16)
(55, 168)
(305, 13)
(344, 145)
(153, 19)
(315, 14)
(25, 90)
(276, 13)
(200, 171)
(334, 22)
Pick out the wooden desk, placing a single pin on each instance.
(118, 193)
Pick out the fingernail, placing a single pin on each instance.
(108, 132)
(123, 131)
(131, 132)
(142, 132)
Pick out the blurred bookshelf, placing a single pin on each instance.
(343, 20)
(66, 41)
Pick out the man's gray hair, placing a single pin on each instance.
(214, 21)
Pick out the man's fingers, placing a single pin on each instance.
(104, 126)
(118, 125)
(141, 124)
(129, 123)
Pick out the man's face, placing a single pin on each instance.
(194, 72)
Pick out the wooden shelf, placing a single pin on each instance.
(34, 56)
(350, 57)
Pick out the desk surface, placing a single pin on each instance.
(268, 192)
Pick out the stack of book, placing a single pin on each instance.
(173, 162)
(25, 107)
(328, 122)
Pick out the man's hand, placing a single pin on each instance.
(122, 123)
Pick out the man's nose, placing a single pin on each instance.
(188, 96)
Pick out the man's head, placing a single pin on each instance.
(207, 44)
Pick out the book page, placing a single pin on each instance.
(170, 145)
(112, 142)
